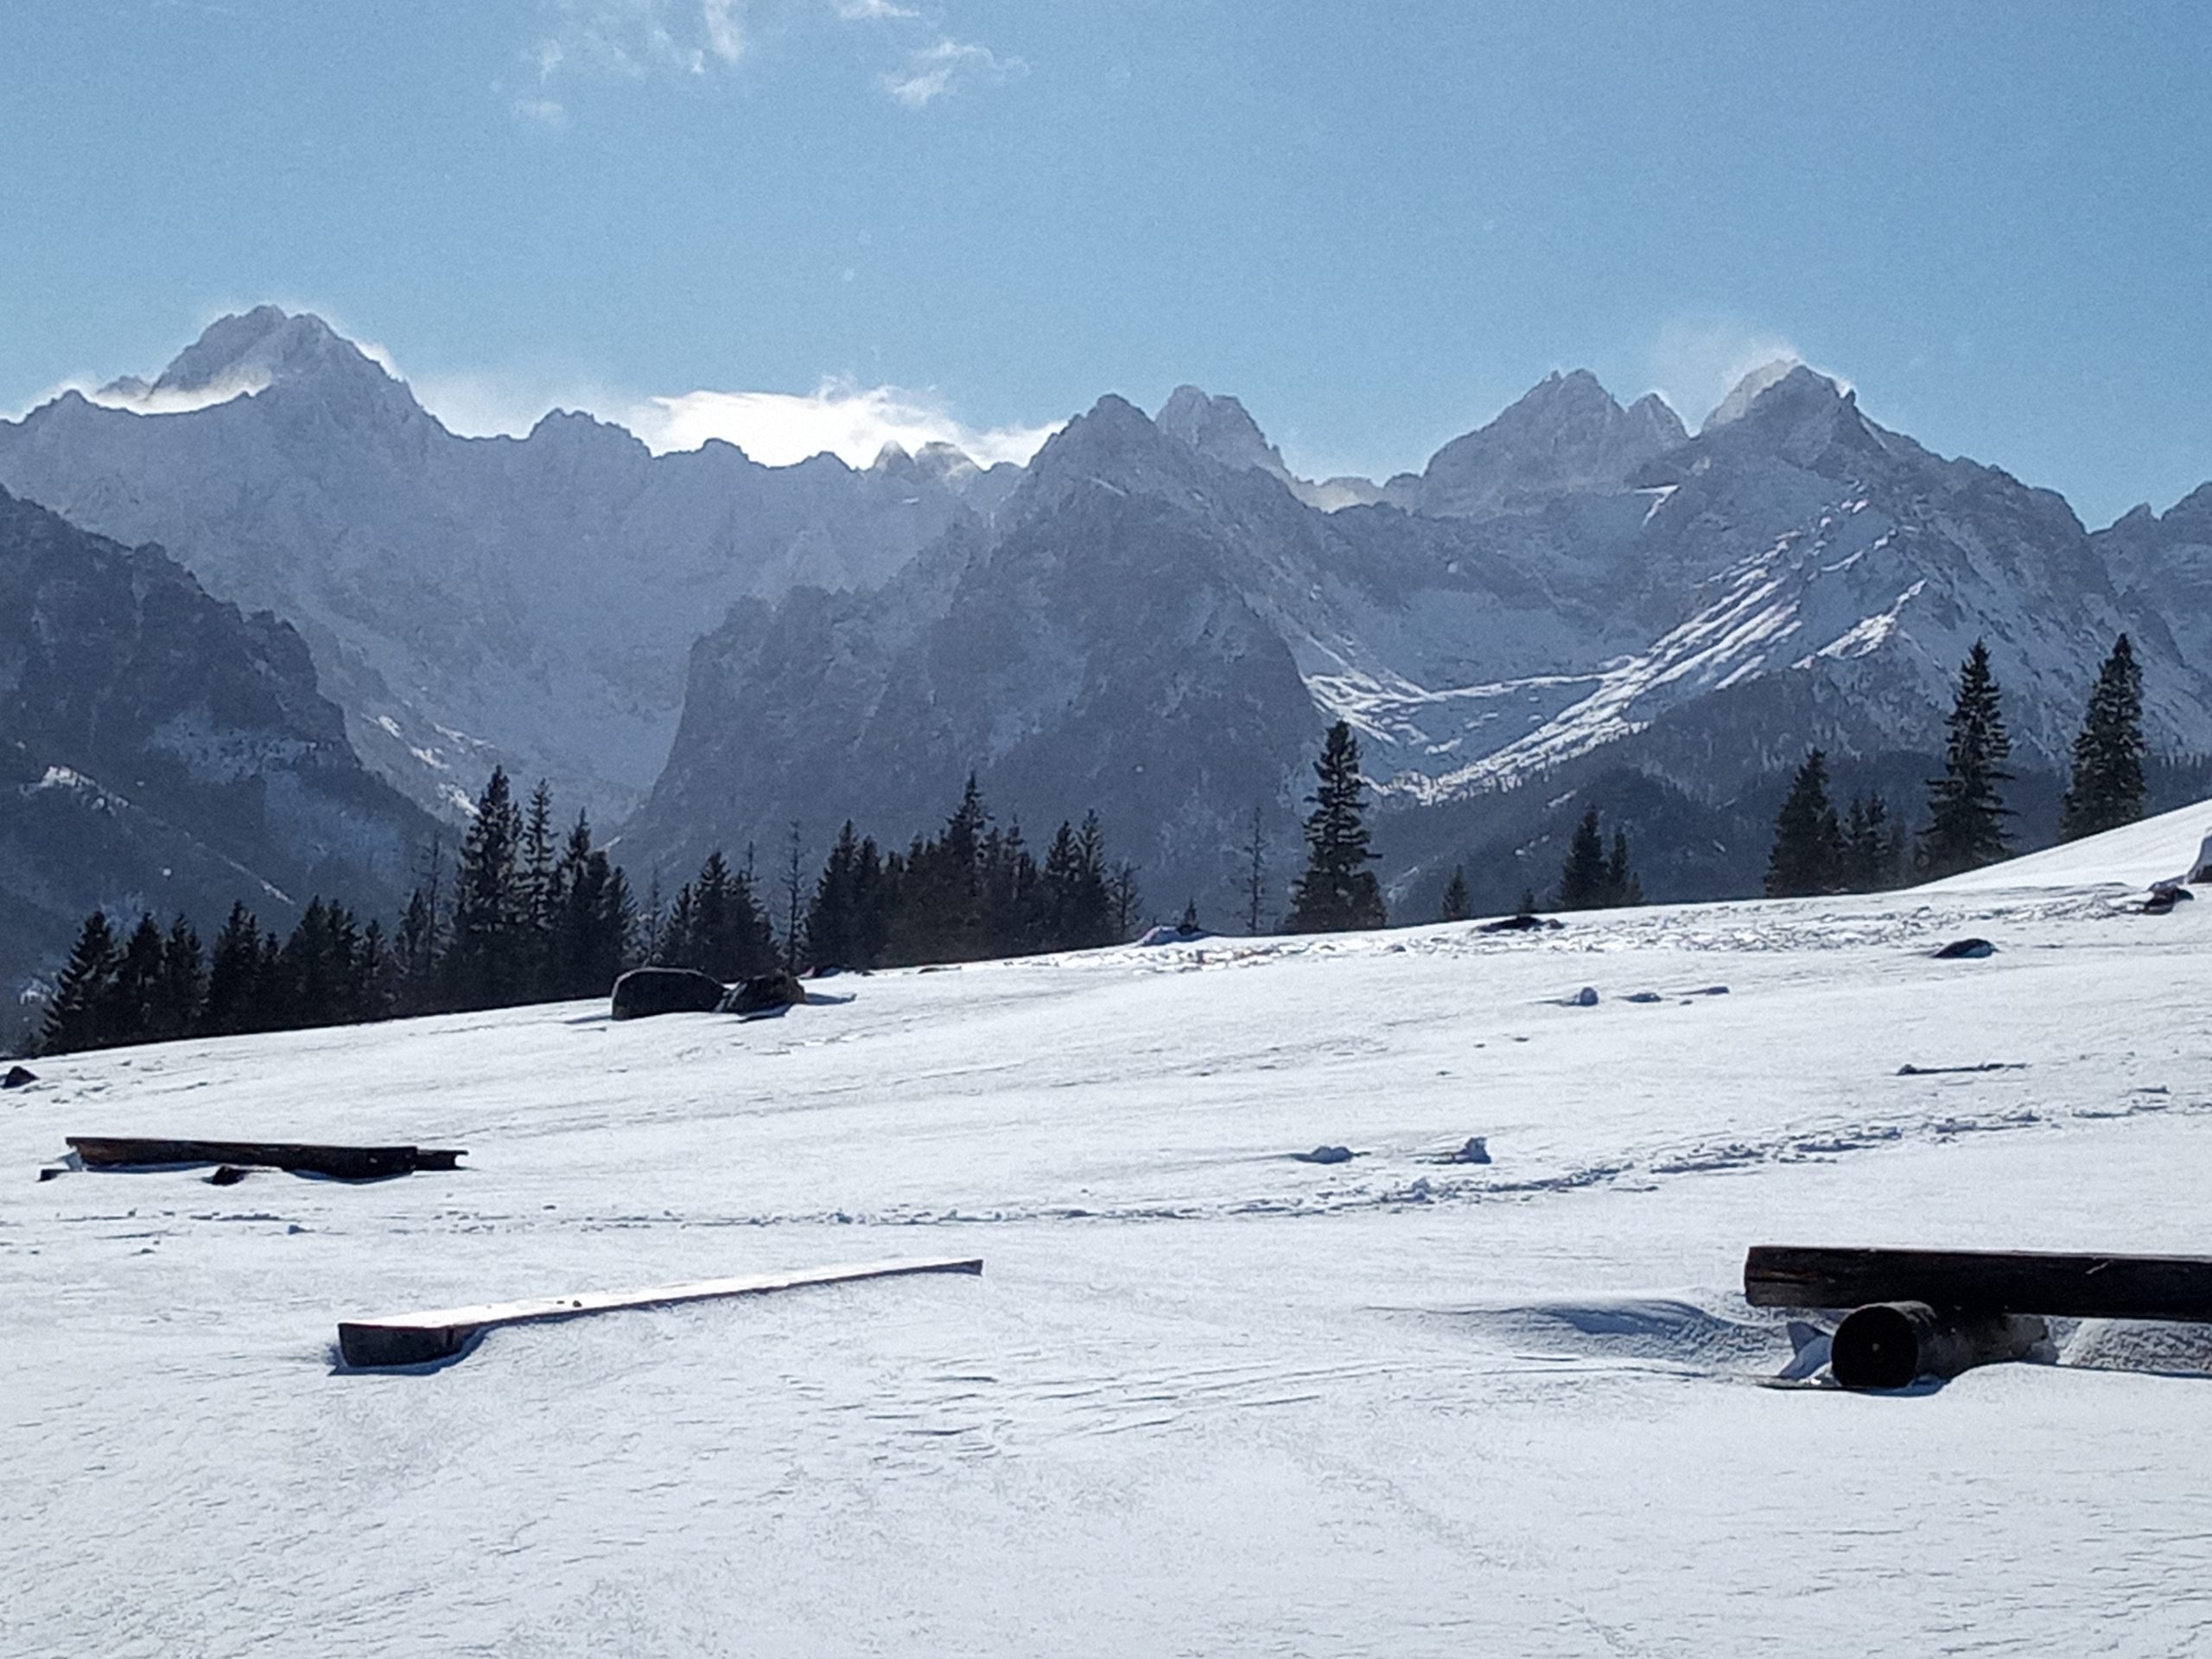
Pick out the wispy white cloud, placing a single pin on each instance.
(933, 71)
(725, 34)
(851, 421)
(777, 428)
(634, 39)
(858, 10)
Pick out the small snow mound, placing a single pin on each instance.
(1649, 1328)
(2151, 1345)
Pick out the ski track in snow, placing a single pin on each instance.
(1205, 1398)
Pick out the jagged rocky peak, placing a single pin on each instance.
(1220, 428)
(2191, 515)
(1111, 432)
(1566, 434)
(250, 351)
(1786, 382)
(1796, 414)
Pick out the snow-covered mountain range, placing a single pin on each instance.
(1155, 617)
(468, 601)
(1157, 624)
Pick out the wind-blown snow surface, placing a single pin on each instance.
(1205, 1399)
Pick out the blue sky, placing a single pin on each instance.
(1376, 222)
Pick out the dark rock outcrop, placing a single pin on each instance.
(644, 992)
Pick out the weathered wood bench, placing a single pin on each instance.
(344, 1163)
(1938, 1312)
(416, 1338)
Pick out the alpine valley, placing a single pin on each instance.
(1579, 603)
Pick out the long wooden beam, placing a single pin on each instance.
(415, 1338)
(2011, 1282)
(347, 1163)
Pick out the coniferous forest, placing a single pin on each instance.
(523, 912)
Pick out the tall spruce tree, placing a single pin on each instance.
(233, 976)
(1966, 809)
(1582, 877)
(1125, 898)
(1808, 843)
(1622, 887)
(485, 964)
(1255, 871)
(2107, 788)
(72, 1018)
(1458, 905)
(538, 893)
(1873, 847)
(794, 896)
(184, 982)
(1590, 877)
(131, 1009)
(830, 913)
(1337, 892)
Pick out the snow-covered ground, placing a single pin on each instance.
(1205, 1399)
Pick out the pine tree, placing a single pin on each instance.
(1337, 892)
(1458, 905)
(131, 1007)
(184, 982)
(835, 923)
(1808, 852)
(679, 932)
(1583, 882)
(486, 964)
(72, 1019)
(2107, 788)
(1125, 900)
(1255, 872)
(1967, 813)
(538, 882)
(374, 991)
(1622, 887)
(794, 889)
(233, 976)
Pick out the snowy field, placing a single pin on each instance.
(1205, 1399)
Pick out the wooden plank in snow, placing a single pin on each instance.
(2012, 1281)
(414, 1338)
(346, 1163)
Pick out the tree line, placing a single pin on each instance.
(1817, 851)
(526, 914)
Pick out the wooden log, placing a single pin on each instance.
(1890, 1344)
(2009, 1281)
(345, 1163)
(414, 1338)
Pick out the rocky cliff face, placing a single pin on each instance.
(161, 750)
